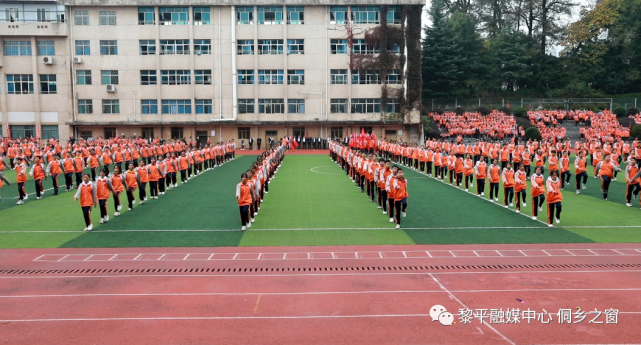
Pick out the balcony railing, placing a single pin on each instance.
(15, 15)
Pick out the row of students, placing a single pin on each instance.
(383, 183)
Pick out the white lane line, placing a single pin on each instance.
(464, 306)
(311, 293)
(311, 274)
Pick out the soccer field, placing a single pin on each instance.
(311, 202)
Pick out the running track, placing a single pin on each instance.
(316, 295)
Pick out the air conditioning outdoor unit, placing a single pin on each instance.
(77, 60)
(47, 60)
(111, 88)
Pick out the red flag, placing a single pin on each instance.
(362, 131)
(9, 132)
(294, 143)
(508, 104)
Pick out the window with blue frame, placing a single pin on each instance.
(295, 15)
(245, 47)
(245, 15)
(270, 76)
(338, 15)
(204, 106)
(149, 106)
(82, 48)
(202, 15)
(174, 15)
(245, 76)
(366, 14)
(46, 48)
(146, 16)
(394, 14)
(19, 84)
(176, 106)
(270, 15)
(17, 48)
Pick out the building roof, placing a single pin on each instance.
(235, 2)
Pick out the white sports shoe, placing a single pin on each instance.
(471, 184)
(106, 218)
(249, 225)
(116, 214)
(20, 202)
(533, 217)
(511, 204)
(540, 208)
(391, 220)
(496, 199)
(628, 204)
(550, 225)
(398, 226)
(26, 197)
(482, 193)
(506, 206)
(119, 208)
(255, 213)
(85, 229)
(243, 228)
(129, 209)
(577, 192)
(384, 212)
(90, 227)
(253, 220)
(466, 189)
(558, 221)
(102, 220)
(404, 214)
(517, 211)
(142, 202)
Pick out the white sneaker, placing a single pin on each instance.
(398, 226)
(102, 220)
(471, 185)
(90, 227)
(142, 202)
(243, 228)
(511, 204)
(628, 204)
(106, 218)
(85, 229)
(505, 206)
(482, 193)
(558, 221)
(129, 209)
(259, 207)
(26, 197)
(253, 220)
(391, 220)
(534, 218)
(524, 205)
(404, 214)
(577, 192)
(550, 225)
(38, 198)
(496, 199)
(517, 211)
(384, 212)
(119, 208)
(249, 225)
(255, 213)
(466, 189)
(20, 202)
(380, 207)
(540, 208)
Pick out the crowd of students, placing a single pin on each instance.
(383, 183)
(254, 183)
(155, 163)
(495, 125)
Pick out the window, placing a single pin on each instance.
(336, 132)
(393, 106)
(110, 132)
(394, 49)
(338, 46)
(366, 105)
(109, 47)
(81, 17)
(82, 48)
(366, 14)
(296, 106)
(338, 105)
(338, 76)
(26, 131)
(270, 47)
(148, 77)
(338, 15)
(19, 84)
(149, 106)
(46, 48)
(245, 47)
(204, 106)
(43, 15)
(85, 106)
(366, 77)
(270, 76)
(147, 47)
(174, 15)
(394, 14)
(174, 47)
(361, 47)
(202, 77)
(393, 76)
(109, 77)
(295, 15)
(271, 106)
(295, 46)
(17, 48)
(202, 47)
(202, 16)
(367, 129)
(176, 106)
(110, 106)
(107, 17)
(146, 16)
(270, 15)
(49, 131)
(11, 14)
(244, 15)
(148, 132)
(295, 77)
(246, 106)
(177, 133)
(245, 76)
(298, 131)
(243, 132)
(48, 84)
(175, 77)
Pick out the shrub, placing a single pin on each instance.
(532, 133)
(633, 111)
(485, 111)
(522, 112)
(505, 110)
(596, 109)
(439, 111)
(636, 132)
(459, 110)
(620, 111)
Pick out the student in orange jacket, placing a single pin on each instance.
(564, 165)
(131, 181)
(38, 173)
(88, 199)
(507, 177)
(54, 170)
(118, 186)
(468, 171)
(633, 183)
(21, 178)
(520, 187)
(399, 185)
(143, 179)
(554, 197)
(606, 169)
(481, 174)
(103, 191)
(494, 171)
(580, 171)
(537, 189)
(245, 197)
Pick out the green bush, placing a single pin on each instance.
(520, 112)
(532, 133)
(596, 109)
(620, 111)
(459, 110)
(636, 132)
(505, 110)
(633, 111)
(485, 111)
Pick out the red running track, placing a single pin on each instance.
(331, 301)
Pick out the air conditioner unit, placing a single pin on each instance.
(47, 60)
(111, 88)
(77, 60)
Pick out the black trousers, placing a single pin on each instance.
(103, 207)
(632, 189)
(494, 190)
(537, 201)
(244, 215)
(86, 212)
(142, 191)
(581, 178)
(554, 209)
(480, 186)
(130, 196)
(400, 206)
